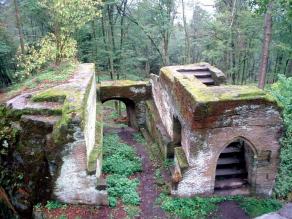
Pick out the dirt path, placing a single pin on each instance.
(147, 189)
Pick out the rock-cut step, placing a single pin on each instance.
(207, 81)
(229, 171)
(239, 191)
(24, 104)
(231, 149)
(232, 183)
(39, 123)
(203, 74)
(228, 160)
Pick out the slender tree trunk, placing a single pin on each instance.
(105, 44)
(187, 39)
(18, 25)
(265, 49)
(111, 39)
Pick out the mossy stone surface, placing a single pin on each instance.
(181, 158)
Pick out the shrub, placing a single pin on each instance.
(282, 91)
(119, 158)
(196, 207)
(121, 187)
(54, 205)
(255, 207)
(121, 161)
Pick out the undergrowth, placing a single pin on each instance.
(119, 158)
(121, 161)
(139, 138)
(202, 207)
(46, 76)
(282, 91)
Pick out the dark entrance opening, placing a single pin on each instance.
(176, 138)
(122, 110)
(176, 131)
(232, 175)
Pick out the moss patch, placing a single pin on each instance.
(181, 158)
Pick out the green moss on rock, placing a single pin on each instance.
(181, 158)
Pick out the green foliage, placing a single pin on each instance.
(54, 205)
(119, 158)
(139, 138)
(7, 52)
(8, 142)
(188, 207)
(256, 207)
(47, 76)
(121, 187)
(42, 54)
(121, 161)
(200, 208)
(282, 91)
(132, 211)
(38, 206)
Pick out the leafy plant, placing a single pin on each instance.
(139, 138)
(121, 161)
(199, 207)
(255, 207)
(188, 207)
(121, 187)
(282, 91)
(119, 158)
(54, 205)
(132, 211)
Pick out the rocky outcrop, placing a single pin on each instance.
(55, 150)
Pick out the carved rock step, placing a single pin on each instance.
(223, 161)
(239, 191)
(23, 103)
(37, 123)
(230, 183)
(229, 171)
(202, 74)
(207, 81)
(231, 150)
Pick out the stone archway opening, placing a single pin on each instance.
(234, 170)
(124, 110)
(176, 132)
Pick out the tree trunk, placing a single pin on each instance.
(265, 49)
(18, 25)
(105, 44)
(187, 39)
(111, 39)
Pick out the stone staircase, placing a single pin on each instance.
(203, 74)
(231, 174)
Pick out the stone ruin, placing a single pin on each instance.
(224, 139)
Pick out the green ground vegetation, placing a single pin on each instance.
(202, 207)
(46, 77)
(121, 162)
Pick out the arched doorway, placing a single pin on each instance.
(234, 170)
(124, 109)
